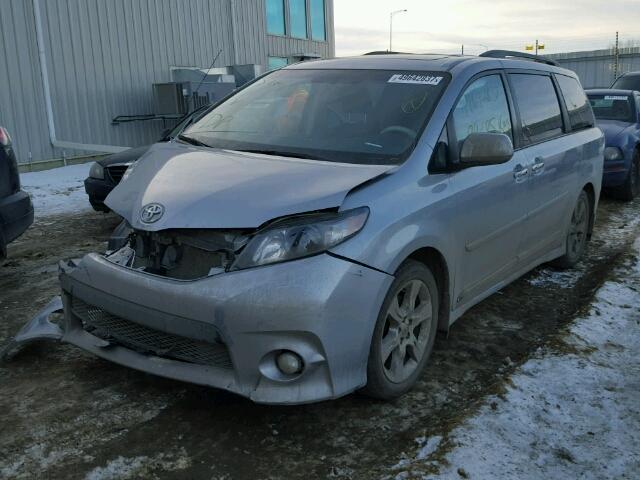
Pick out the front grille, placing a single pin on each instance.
(116, 172)
(147, 340)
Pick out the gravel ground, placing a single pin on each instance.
(65, 414)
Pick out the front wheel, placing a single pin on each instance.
(576, 241)
(404, 334)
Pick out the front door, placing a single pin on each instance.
(490, 200)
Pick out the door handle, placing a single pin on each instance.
(538, 166)
(520, 173)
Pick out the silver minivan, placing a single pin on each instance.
(309, 235)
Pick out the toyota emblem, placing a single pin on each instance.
(151, 213)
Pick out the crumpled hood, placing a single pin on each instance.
(612, 129)
(209, 188)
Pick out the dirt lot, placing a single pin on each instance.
(65, 414)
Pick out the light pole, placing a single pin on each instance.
(391, 15)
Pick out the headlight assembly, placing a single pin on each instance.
(97, 171)
(299, 237)
(612, 154)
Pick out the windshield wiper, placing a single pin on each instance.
(278, 153)
(192, 141)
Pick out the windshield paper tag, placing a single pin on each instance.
(414, 79)
(615, 97)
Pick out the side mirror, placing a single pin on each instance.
(486, 149)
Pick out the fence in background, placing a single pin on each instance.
(599, 68)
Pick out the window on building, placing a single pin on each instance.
(298, 18)
(580, 114)
(277, 62)
(275, 17)
(318, 27)
(483, 108)
(538, 105)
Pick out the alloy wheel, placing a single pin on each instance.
(406, 331)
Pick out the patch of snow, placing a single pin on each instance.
(428, 448)
(57, 191)
(559, 278)
(565, 416)
(139, 467)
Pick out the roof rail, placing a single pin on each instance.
(386, 52)
(518, 55)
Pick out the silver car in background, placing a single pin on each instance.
(308, 236)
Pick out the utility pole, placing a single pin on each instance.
(462, 52)
(616, 55)
(391, 15)
(536, 47)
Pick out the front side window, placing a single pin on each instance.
(578, 108)
(351, 116)
(482, 108)
(538, 105)
(298, 18)
(277, 62)
(318, 28)
(275, 17)
(612, 107)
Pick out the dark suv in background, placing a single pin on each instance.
(105, 174)
(16, 210)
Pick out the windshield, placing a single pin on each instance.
(351, 116)
(612, 107)
(627, 82)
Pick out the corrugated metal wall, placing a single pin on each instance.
(103, 56)
(596, 68)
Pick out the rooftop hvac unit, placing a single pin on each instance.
(170, 98)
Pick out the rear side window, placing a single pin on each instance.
(538, 104)
(482, 108)
(580, 114)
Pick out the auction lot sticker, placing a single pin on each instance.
(414, 79)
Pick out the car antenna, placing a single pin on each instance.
(204, 75)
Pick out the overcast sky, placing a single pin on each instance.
(441, 26)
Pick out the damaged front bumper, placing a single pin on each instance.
(226, 330)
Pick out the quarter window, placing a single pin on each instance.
(318, 31)
(277, 62)
(580, 114)
(483, 108)
(298, 18)
(275, 17)
(538, 105)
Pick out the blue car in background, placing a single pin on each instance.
(617, 114)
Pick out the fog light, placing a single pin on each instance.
(289, 363)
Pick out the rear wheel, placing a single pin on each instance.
(404, 334)
(576, 241)
(631, 186)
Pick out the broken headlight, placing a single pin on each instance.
(298, 237)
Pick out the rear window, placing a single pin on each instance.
(612, 107)
(627, 82)
(538, 104)
(578, 108)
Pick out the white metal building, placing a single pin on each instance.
(68, 67)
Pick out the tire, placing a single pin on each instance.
(3, 246)
(576, 241)
(631, 187)
(408, 339)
